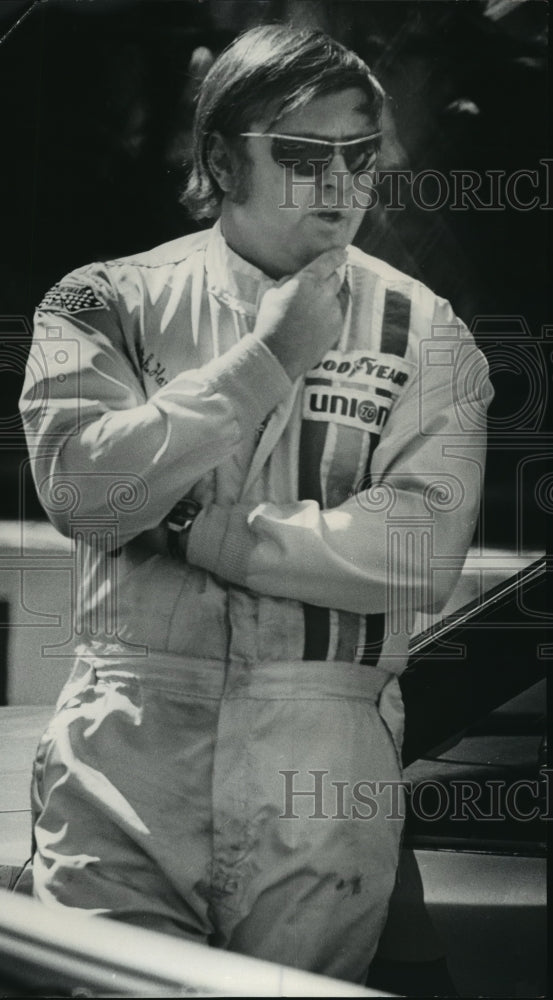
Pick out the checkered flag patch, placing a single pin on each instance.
(70, 299)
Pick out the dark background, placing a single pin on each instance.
(96, 117)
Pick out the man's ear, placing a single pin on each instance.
(221, 162)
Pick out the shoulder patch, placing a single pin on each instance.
(68, 298)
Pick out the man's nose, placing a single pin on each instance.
(335, 167)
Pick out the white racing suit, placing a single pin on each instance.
(217, 761)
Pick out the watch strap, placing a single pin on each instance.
(179, 521)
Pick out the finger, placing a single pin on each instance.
(324, 265)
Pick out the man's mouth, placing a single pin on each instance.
(331, 216)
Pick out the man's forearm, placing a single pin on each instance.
(160, 447)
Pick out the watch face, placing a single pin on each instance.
(182, 515)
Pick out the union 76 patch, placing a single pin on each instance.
(364, 410)
(70, 299)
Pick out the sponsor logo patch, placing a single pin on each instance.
(350, 407)
(360, 367)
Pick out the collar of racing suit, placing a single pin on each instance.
(234, 280)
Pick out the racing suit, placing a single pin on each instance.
(208, 766)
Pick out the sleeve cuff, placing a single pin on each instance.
(221, 542)
(250, 375)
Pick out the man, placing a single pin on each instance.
(245, 434)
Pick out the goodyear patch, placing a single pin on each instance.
(69, 298)
(363, 368)
(365, 410)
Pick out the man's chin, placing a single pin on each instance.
(321, 246)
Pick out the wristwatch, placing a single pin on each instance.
(179, 522)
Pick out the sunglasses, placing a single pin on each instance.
(315, 154)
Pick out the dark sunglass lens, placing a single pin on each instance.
(307, 157)
(361, 157)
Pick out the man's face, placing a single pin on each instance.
(281, 240)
